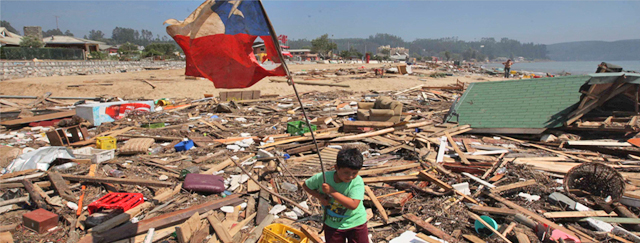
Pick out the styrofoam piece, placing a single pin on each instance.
(96, 113)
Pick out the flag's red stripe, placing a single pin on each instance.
(227, 60)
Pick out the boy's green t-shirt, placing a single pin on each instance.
(339, 217)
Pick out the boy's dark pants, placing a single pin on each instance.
(358, 234)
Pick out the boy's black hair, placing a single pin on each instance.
(349, 158)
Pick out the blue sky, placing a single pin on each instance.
(544, 22)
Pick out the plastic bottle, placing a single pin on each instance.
(156, 150)
(113, 172)
(288, 186)
(65, 166)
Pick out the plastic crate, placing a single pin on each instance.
(96, 156)
(184, 145)
(114, 200)
(106, 143)
(299, 128)
(280, 233)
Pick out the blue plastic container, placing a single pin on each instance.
(184, 145)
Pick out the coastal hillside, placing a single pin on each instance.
(623, 50)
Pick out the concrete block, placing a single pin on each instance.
(40, 220)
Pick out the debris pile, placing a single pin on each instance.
(230, 170)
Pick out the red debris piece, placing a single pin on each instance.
(114, 200)
(40, 220)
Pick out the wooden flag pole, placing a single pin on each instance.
(290, 79)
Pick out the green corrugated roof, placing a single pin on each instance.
(529, 103)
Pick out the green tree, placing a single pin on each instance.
(68, 33)
(96, 35)
(128, 49)
(123, 35)
(322, 45)
(31, 42)
(159, 49)
(98, 55)
(7, 25)
(52, 32)
(385, 51)
(447, 55)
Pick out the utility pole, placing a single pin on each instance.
(57, 21)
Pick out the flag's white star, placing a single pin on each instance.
(234, 9)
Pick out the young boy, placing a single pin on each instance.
(342, 197)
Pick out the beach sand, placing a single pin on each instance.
(172, 83)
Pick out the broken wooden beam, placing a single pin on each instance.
(428, 227)
(137, 182)
(376, 203)
(531, 214)
(159, 222)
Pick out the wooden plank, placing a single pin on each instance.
(578, 214)
(531, 214)
(10, 227)
(129, 230)
(375, 171)
(6, 237)
(126, 216)
(381, 210)
(312, 83)
(263, 205)
(522, 238)
(111, 180)
(455, 147)
(495, 232)
(467, 145)
(492, 210)
(545, 149)
(387, 179)
(427, 238)
(51, 116)
(221, 231)
(257, 231)
(17, 173)
(35, 196)
(235, 229)
(202, 233)
(186, 229)
(61, 186)
(252, 186)
(598, 143)
(514, 186)
(618, 220)
(473, 238)
(311, 234)
(428, 227)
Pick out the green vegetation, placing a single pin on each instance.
(486, 48)
(31, 42)
(322, 45)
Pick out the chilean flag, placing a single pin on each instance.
(217, 40)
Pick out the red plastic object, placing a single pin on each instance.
(114, 200)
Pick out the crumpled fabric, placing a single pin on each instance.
(40, 158)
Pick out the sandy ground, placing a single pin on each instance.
(172, 83)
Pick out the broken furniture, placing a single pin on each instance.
(383, 109)
(59, 136)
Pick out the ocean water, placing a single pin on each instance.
(575, 67)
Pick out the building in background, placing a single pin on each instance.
(9, 38)
(62, 41)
